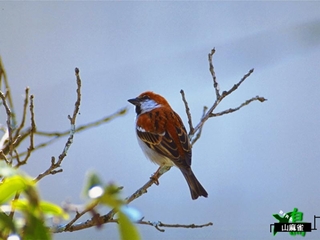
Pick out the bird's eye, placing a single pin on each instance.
(145, 97)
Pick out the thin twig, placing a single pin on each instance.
(25, 105)
(230, 110)
(81, 128)
(85, 126)
(8, 93)
(159, 224)
(77, 104)
(3, 156)
(213, 74)
(206, 116)
(193, 141)
(54, 164)
(221, 97)
(32, 131)
(16, 197)
(16, 156)
(235, 87)
(33, 123)
(161, 170)
(9, 126)
(187, 111)
(78, 215)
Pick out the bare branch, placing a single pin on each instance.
(206, 116)
(85, 126)
(16, 197)
(161, 170)
(3, 156)
(235, 87)
(9, 126)
(78, 215)
(213, 74)
(54, 164)
(187, 111)
(24, 113)
(8, 93)
(32, 130)
(230, 110)
(205, 108)
(159, 224)
(81, 128)
(77, 104)
(33, 124)
(219, 98)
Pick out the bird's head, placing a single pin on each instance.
(148, 101)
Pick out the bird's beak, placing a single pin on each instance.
(134, 101)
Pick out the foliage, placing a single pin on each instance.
(109, 195)
(28, 222)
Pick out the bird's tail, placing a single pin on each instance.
(195, 186)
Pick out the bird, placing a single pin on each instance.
(163, 137)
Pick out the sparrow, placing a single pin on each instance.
(163, 137)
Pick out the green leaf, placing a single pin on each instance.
(35, 229)
(128, 230)
(51, 209)
(46, 208)
(6, 223)
(21, 205)
(111, 197)
(11, 185)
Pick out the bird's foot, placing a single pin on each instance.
(155, 177)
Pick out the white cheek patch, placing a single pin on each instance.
(148, 105)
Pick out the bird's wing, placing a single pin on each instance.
(171, 140)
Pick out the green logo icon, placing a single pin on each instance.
(291, 222)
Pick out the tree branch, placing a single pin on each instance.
(213, 74)
(54, 164)
(57, 135)
(9, 124)
(3, 75)
(219, 97)
(205, 108)
(159, 224)
(32, 130)
(17, 132)
(231, 110)
(187, 111)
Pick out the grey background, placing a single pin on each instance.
(253, 163)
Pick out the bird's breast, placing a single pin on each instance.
(153, 155)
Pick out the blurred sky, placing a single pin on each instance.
(253, 163)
